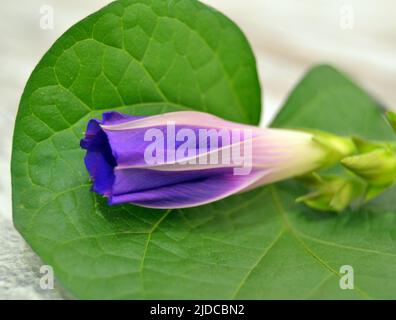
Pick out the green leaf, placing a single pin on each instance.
(326, 100)
(139, 57)
(363, 237)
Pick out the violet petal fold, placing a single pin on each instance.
(117, 147)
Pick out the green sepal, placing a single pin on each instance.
(336, 147)
(331, 193)
(373, 192)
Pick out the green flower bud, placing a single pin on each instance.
(377, 167)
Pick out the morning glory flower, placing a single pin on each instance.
(185, 159)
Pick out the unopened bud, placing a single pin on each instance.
(377, 167)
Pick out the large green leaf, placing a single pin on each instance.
(254, 245)
(137, 57)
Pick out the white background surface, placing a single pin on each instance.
(287, 36)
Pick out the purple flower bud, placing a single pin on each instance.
(185, 159)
